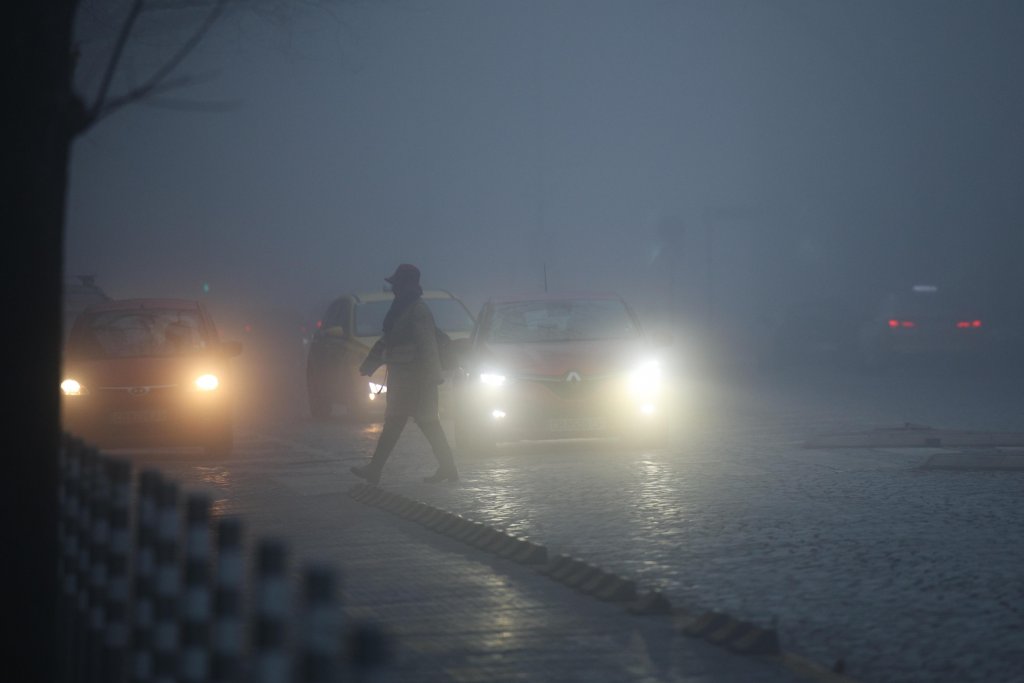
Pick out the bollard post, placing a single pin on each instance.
(227, 637)
(99, 548)
(117, 605)
(144, 584)
(269, 625)
(168, 584)
(83, 567)
(195, 613)
(71, 472)
(320, 628)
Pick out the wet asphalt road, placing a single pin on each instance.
(904, 573)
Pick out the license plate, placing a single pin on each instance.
(577, 424)
(138, 416)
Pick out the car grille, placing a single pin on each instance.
(586, 389)
(137, 395)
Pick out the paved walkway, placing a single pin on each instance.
(457, 613)
(874, 556)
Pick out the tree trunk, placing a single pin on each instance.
(47, 114)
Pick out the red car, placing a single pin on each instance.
(559, 366)
(148, 372)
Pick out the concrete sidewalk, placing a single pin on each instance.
(458, 613)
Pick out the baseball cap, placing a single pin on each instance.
(405, 273)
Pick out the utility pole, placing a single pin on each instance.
(542, 240)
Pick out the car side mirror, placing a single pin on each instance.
(336, 331)
(231, 348)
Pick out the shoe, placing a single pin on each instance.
(440, 477)
(366, 472)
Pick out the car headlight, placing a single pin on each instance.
(492, 379)
(646, 378)
(207, 382)
(72, 387)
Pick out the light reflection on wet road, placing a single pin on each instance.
(854, 554)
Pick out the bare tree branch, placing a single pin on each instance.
(192, 105)
(115, 58)
(158, 81)
(172, 5)
(144, 91)
(179, 4)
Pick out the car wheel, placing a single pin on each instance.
(320, 405)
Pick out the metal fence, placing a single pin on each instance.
(154, 589)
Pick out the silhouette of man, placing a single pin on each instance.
(409, 349)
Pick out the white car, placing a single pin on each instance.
(351, 325)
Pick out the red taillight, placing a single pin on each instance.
(901, 323)
(968, 324)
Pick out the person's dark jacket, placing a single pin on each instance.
(408, 345)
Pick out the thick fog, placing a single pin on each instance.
(719, 161)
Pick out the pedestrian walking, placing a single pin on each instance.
(409, 349)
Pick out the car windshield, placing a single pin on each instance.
(449, 315)
(557, 321)
(137, 333)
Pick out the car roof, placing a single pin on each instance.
(130, 304)
(368, 297)
(583, 295)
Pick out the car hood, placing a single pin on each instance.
(557, 359)
(151, 371)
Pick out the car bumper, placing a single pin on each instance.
(171, 420)
(527, 410)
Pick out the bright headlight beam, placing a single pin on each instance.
(71, 387)
(492, 379)
(646, 378)
(207, 382)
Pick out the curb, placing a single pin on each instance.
(569, 571)
(736, 636)
(745, 638)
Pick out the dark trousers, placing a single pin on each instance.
(392, 429)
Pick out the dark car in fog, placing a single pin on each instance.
(924, 322)
(350, 326)
(149, 372)
(558, 366)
